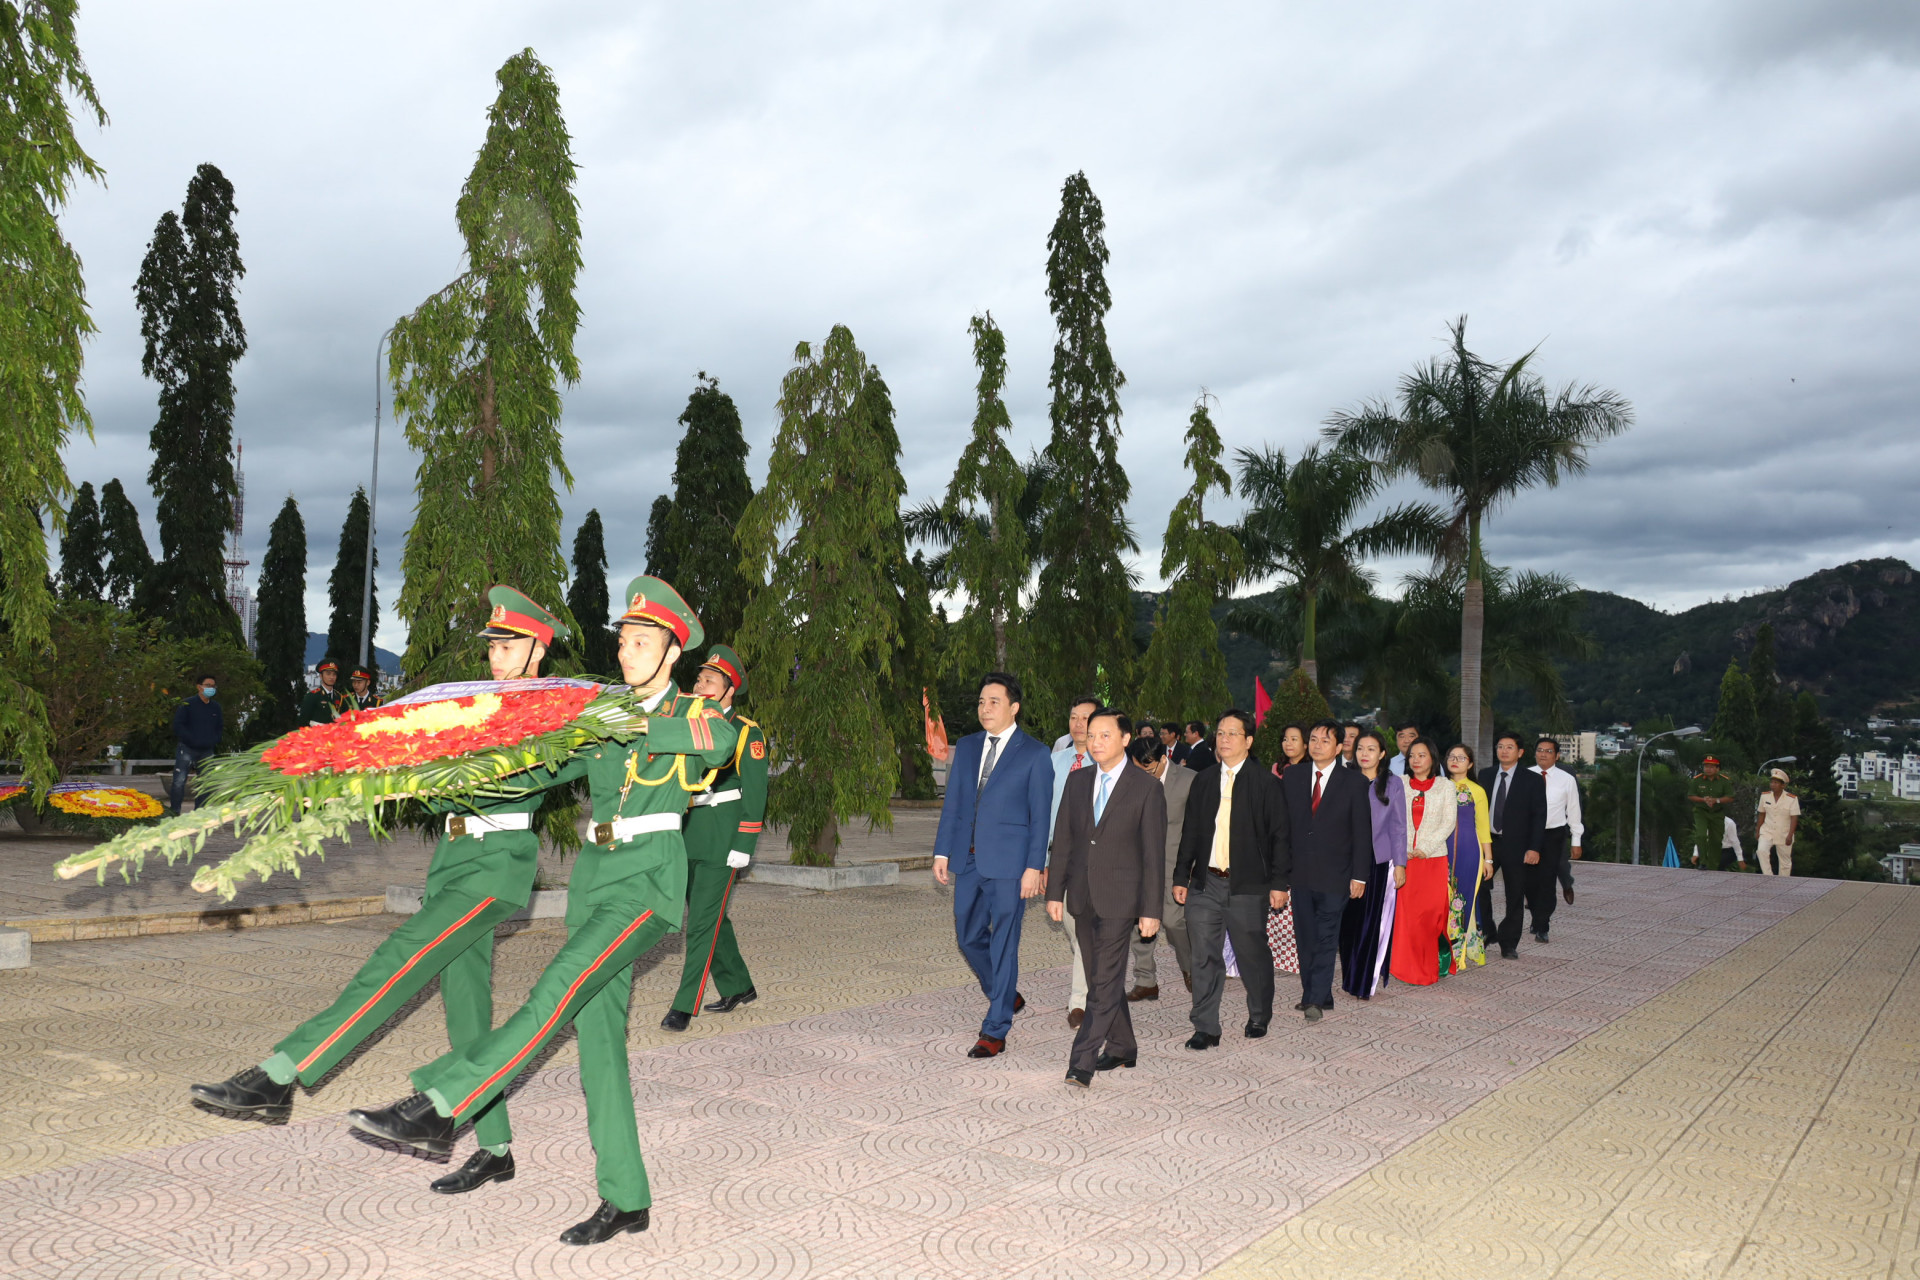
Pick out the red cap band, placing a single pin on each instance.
(725, 668)
(505, 617)
(654, 611)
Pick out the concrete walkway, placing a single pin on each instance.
(1704, 1075)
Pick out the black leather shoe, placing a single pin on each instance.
(1301, 1007)
(481, 1168)
(1255, 1029)
(1201, 1040)
(1509, 953)
(1540, 938)
(1315, 1013)
(1107, 1062)
(410, 1120)
(606, 1223)
(1082, 1079)
(727, 1004)
(251, 1092)
(675, 1021)
(1566, 891)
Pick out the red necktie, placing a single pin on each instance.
(1317, 775)
(1076, 760)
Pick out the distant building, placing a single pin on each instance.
(1904, 864)
(1846, 777)
(1578, 748)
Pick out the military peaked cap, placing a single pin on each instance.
(515, 615)
(652, 602)
(724, 660)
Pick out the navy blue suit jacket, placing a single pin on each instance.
(1334, 845)
(1003, 829)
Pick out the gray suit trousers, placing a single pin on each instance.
(1213, 914)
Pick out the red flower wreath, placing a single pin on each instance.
(415, 733)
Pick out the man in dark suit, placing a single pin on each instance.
(1330, 858)
(1199, 754)
(1517, 808)
(1233, 854)
(1109, 847)
(991, 846)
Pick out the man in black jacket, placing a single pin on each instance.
(1517, 804)
(1233, 854)
(1331, 856)
(1199, 755)
(197, 725)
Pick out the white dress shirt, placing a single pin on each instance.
(1111, 778)
(1493, 793)
(986, 749)
(1563, 802)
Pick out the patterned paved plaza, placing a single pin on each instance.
(1704, 1075)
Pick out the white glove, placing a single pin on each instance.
(737, 860)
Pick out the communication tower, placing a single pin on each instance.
(238, 596)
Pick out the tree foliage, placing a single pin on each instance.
(280, 629)
(1772, 708)
(477, 371)
(587, 596)
(1185, 673)
(127, 562)
(1736, 728)
(825, 536)
(346, 590)
(1828, 842)
(1082, 613)
(82, 576)
(988, 557)
(1296, 700)
(1480, 432)
(710, 495)
(190, 320)
(44, 322)
(107, 675)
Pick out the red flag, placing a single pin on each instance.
(936, 730)
(1261, 702)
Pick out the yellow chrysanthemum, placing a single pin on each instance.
(106, 802)
(435, 717)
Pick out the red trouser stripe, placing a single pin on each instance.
(558, 1009)
(387, 986)
(721, 919)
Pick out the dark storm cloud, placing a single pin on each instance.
(1711, 211)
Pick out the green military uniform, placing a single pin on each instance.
(628, 890)
(724, 820)
(1709, 821)
(481, 873)
(371, 698)
(322, 704)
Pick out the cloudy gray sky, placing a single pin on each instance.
(1710, 208)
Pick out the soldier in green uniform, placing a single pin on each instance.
(1709, 793)
(723, 826)
(629, 889)
(321, 705)
(481, 873)
(360, 682)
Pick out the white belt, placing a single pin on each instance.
(610, 833)
(706, 798)
(477, 825)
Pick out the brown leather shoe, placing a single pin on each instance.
(1144, 993)
(1075, 1017)
(1188, 979)
(987, 1047)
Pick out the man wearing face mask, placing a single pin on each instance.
(197, 725)
(629, 889)
(481, 873)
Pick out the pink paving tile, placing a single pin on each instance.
(863, 1143)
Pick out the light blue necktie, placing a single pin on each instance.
(1100, 801)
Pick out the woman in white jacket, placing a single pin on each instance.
(1420, 915)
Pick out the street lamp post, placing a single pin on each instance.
(373, 499)
(1762, 770)
(1639, 760)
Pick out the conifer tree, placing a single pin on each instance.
(44, 322)
(1083, 609)
(988, 559)
(1185, 673)
(825, 536)
(127, 562)
(660, 558)
(916, 667)
(477, 372)
(587, 596)
(81, 574)
(190, 320)
(1735, 727)
(1829, 833)
(280, 629)
(346, 590)
(1771, 709)
(710, 494)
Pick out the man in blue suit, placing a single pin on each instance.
(992, 846)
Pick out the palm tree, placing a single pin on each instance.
(1480, 433)
(1533, 619)
(1299, 526)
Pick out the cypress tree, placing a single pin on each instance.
(128, 563)
(280, 629)
(43, 324)
(1734, 725)
(346, 590)
(477, 372)
(989, 559)
(1829, 833)
(826, 537)
(710, 494)
(1083, 609)
(190, 320)
(1773, 710)
(81, 575)
(587, 596)
(1185, 672)
(661, 562)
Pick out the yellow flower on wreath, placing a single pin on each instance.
(106, 802)
(435, 717)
